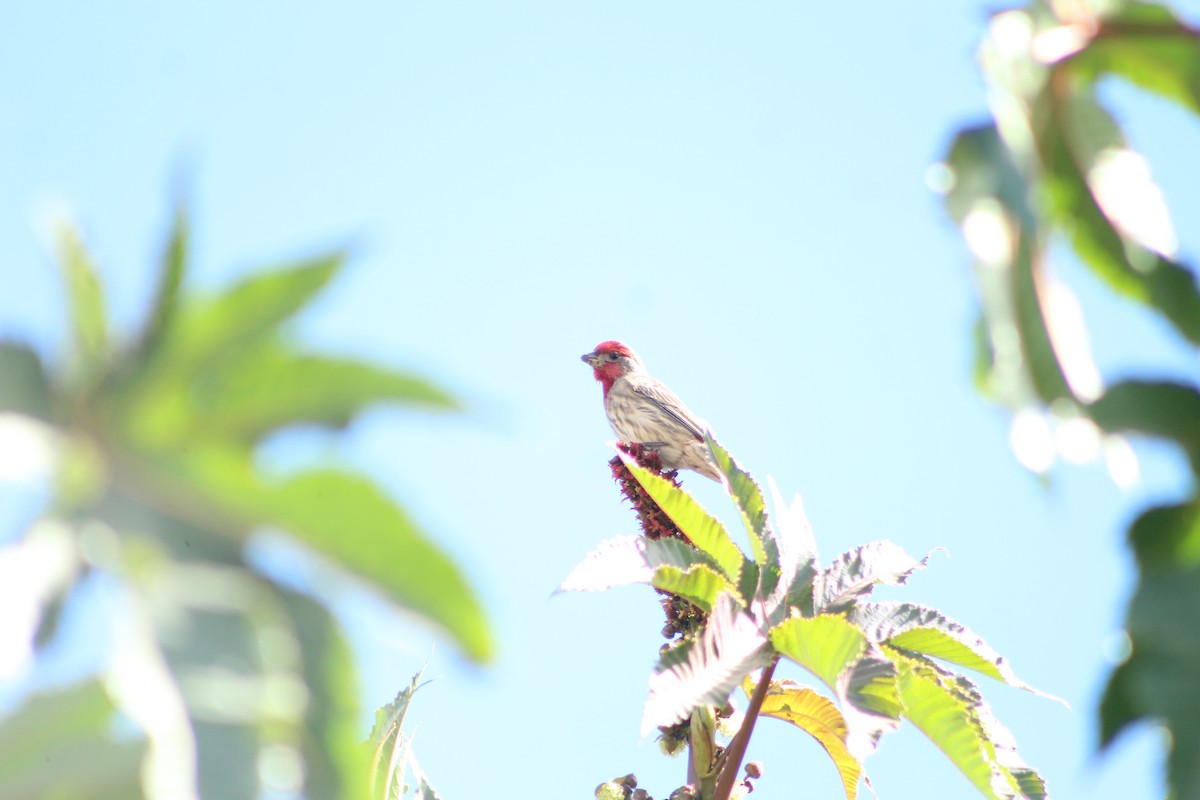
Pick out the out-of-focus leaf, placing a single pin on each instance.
(353, 523)
(1168, 537)
(335, 765)
(699, 583)
(819, 718)
(59, 746)
(1146, 44)
(927, 631)
(1128, 267)
(825, 645)
(85, 299)
(856, 572)
(950, 711)
(271, 386)
(989, 201)
(173, 267)
(36, 574)
(1119, 707)
(24, 386)
(749, 500)
(1157, 408)
(698, 525)
(241, 315)
(1157, 682)
(631, 559)
(705, 670)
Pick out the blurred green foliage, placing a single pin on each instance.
(1053, 165)
(219, 681)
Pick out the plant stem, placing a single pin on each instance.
(731, 760)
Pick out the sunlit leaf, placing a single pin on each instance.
(856, 572)
(825, 645)
(631, 559)
(705, 670)
(820, 719)
(870, 701)
(749, 500)
(702, 528)
(949, 710)
(927, 631)
(797, 559)
(700, 584)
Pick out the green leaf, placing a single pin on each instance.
(702, 528)
(24, 386)
(1146, 44)
(1158, 680)
(870, 702)
(825, 645)
(58, 746)
(1157, 408)
(797, 558)
(919, 629)
(856, 572)
(749, 500)
(949, 710)
(335, 765)
(353, 523)
(631, 559)
(1125, 264)
(820, 719)
(990, 202)
(1119, 707)
(270, 386)
(173, 267)
(704, 670)
(85, 299)
(699, 583)
(256, 306)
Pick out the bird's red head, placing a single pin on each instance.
(609, 361)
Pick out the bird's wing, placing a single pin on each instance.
(666, 400)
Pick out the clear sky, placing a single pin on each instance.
(738, 192)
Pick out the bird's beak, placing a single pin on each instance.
(589, 359)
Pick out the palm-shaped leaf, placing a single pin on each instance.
(703, 529)
(856, 572)
(628, 560)
(820, 719)
(705, 670)
(950, 711)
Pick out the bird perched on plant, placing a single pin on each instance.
(642, 410)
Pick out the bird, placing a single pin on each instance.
(644, 411)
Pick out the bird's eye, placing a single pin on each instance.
(613, 356)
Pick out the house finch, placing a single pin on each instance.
(641, 410)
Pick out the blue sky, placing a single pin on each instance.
(737, 192)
